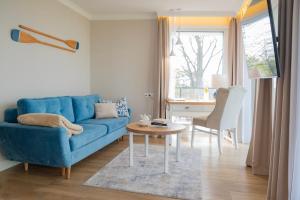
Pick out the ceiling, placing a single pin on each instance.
(101, 9)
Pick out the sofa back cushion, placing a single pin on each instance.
(84, 106)
(55, 105)
(10, 115)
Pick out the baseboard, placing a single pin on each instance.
(5, 164)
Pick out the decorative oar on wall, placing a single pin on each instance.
(71, 43)
(23, 37)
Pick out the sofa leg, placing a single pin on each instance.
(26, 167)
(63, 171)
(68, 173)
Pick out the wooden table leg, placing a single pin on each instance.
(63, 171)
(130, 149)
(167, 137)
(26, 166)
(68, 172)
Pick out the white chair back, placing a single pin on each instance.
(232, 107)
(228, 105)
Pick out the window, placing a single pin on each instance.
(193, 63)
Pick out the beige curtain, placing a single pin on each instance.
(232, 52)
(235, 52)
(260, 147)
(278, 178)
(163, 67)
(294, 137)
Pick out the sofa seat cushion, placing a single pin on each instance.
(111, 123)
(90, 133)
(84, 106)
(53, 105)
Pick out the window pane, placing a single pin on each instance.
(195, 61)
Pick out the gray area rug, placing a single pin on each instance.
(146, 176)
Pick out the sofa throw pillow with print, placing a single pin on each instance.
(121, 106)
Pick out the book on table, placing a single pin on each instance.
(159, 122)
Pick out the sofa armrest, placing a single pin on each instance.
(35, 144)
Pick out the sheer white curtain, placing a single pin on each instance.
(294, 147)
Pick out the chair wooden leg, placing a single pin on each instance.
(193, 133)
(63, 171)
(68, 173)
(234, 138)
(26, 165)
(122, 138)
(220, 138)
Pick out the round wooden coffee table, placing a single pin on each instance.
(151, 130)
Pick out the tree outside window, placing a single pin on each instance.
(195, 61)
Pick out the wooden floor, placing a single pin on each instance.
(223, 177)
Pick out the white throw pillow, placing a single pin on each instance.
(105, 110)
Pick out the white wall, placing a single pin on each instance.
(123, 60)
(37, 71)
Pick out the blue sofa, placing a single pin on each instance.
(52, 146)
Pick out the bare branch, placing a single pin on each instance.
(199, 57)
(186, 73)
(213, 42)
(210, 57)
(220, 61)
(221, 50)
(191, 43)
(190, 64)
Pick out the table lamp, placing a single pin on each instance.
(218, 81)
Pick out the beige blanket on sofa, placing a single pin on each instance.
(50, 120)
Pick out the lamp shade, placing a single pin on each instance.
(218, 81)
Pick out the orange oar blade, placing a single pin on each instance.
(20, 36)
(72, 43)
(26, 38)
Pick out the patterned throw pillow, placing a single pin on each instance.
(121, 105)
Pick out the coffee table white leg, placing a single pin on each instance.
(178, 148)
(130, 149)
(146, 145)
(167, 137)
(170, 140)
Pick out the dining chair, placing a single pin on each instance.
(224, 116)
